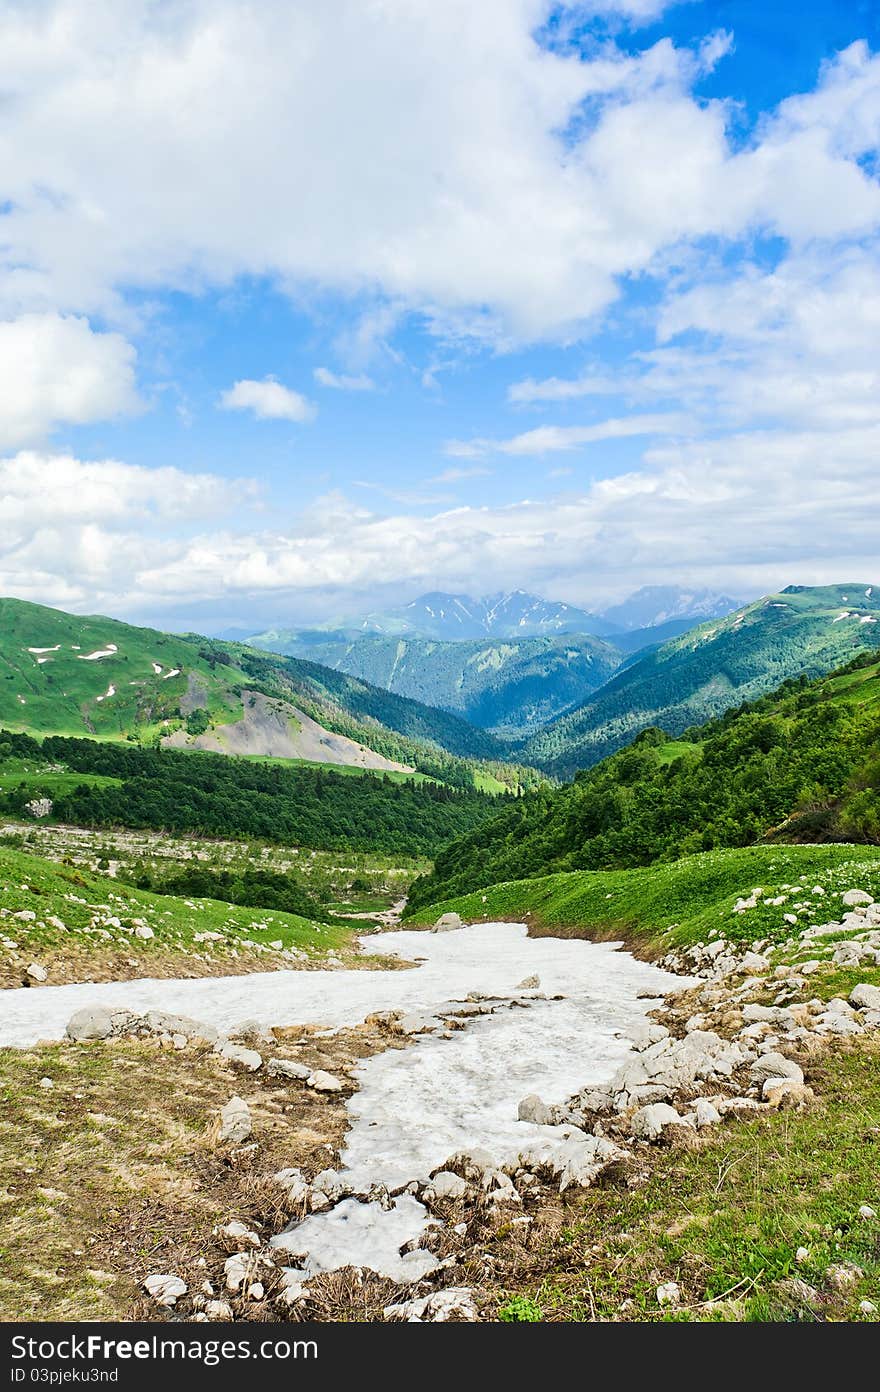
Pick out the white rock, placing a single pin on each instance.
(802, 1255)
(648, 1122)
(454, 1303)
(705, 1114)
(865, 997)
(446, 1185)
(754, 964)
(669, 1294)
(218, 1310)
(236, 1269)
(867, 1307)
(37, 972)
(866, 1211)
(448, 922)
(144, 932)
(529, 983)
(236, 1124)
(773, 1065)
(324, 1082)
(236, 1053)
(239, 1233)
(286, 1068)
(294, 1184)
(857, 896)
(165, 1290)
(534, 1110)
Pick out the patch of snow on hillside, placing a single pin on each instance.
(867, 619)
(157, 667)
(96, 656)
(175, 672)
(45, 650)
(844, 614)
(111, 691)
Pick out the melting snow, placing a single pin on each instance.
(175, 672)
(111, 691)
(418, 1105)
(844, 614)
(110, 649)
(157, 667)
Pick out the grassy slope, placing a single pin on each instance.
(659, 906)
(80, 898)
(800, 765)
(60, 695)
(712, 667)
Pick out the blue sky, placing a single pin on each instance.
(301, 313)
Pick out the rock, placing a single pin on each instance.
(529, 983)
(235, 1118)
(867, 1307)
(446, 1185)
(832, 1022)
(865, 997)
(663, 1069)
(240, 1234)
(447, 923)
(237, 1053)
(843, 1276)
(324, 1082)
(218, 1310)
(773, 1065)
(867, 1212)
(36, 972)
(455, 1303)
(162, 1022)
(165, 1290)
(285, 1068)
(236, 1269)
(857, 896)
(786, 1092)
(753, 964)
(741, 1106)
(93, 1022)
(533, 1109)
(648, 1122)
(705, 1114)
(415, 1024)
(47, 1084)
(256, 1289)
(669, 1294)
(802, 1255)
(144, 932)
(294, 1184)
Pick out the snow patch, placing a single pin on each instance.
(111, 691)
(157, 667)
(96, 656)
(45, 650)
(175, 672)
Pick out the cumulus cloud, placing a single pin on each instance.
(55, 371)
(496, 211)
(340, 382)
(268, 400)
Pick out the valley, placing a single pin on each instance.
(383, 1026)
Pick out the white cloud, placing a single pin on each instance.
(56, 370)
(530, 391)
(268, 400)
(546, 439)
(520, 186)
(459, 475)
(325, 378)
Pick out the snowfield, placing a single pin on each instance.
(416, 1107)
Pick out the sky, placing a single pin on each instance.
(307, 309)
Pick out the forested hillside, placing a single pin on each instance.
(212, 795)
(802, 764)
(711, 668)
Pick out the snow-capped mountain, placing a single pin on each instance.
(660, 604)
(451, 617)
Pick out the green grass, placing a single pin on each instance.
(726, 1221)
(662, 906)
(83, 901)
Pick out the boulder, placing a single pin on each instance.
(324, 1082)
(37, 972)
(865, 997)
(448, 922)
(455, 1303)
(786, 1092)
(669, 1294)
(163, 1022)
(92, 1022)
(773, 1065)
(166, 1290)
(446, 1185)
(235, 1121)
(533, 1109)
(237, 1053)
(705, 1114)
(648, 1122)
(286, 1068)
(857, 896)
(753, 964)
(529, 983)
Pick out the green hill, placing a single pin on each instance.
(708, 669)
(509, 685)
(69, 674)
(802, 764)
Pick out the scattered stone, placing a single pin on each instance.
(46, 1084)
(93, 1022)
(773, 1065)
(669, 1294)
(324, 1082)
(448, 922)
(753, 964)
(446, 1185)
(239, 1233)
(857, 896)
(456, 1303)
(37, 972)
(165, 1290)
(286, 1068)
(802, 1255)
(536, 1111)
(867, 1212)
(865, 997)
(236, 1053)
(529, 983)
(235, 1118)
(218, 1310)
(867, 1307)
(705, 1114)
(786, 1092)
(648, 1122)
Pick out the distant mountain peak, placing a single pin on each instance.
(506, 614)
(653, 605)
